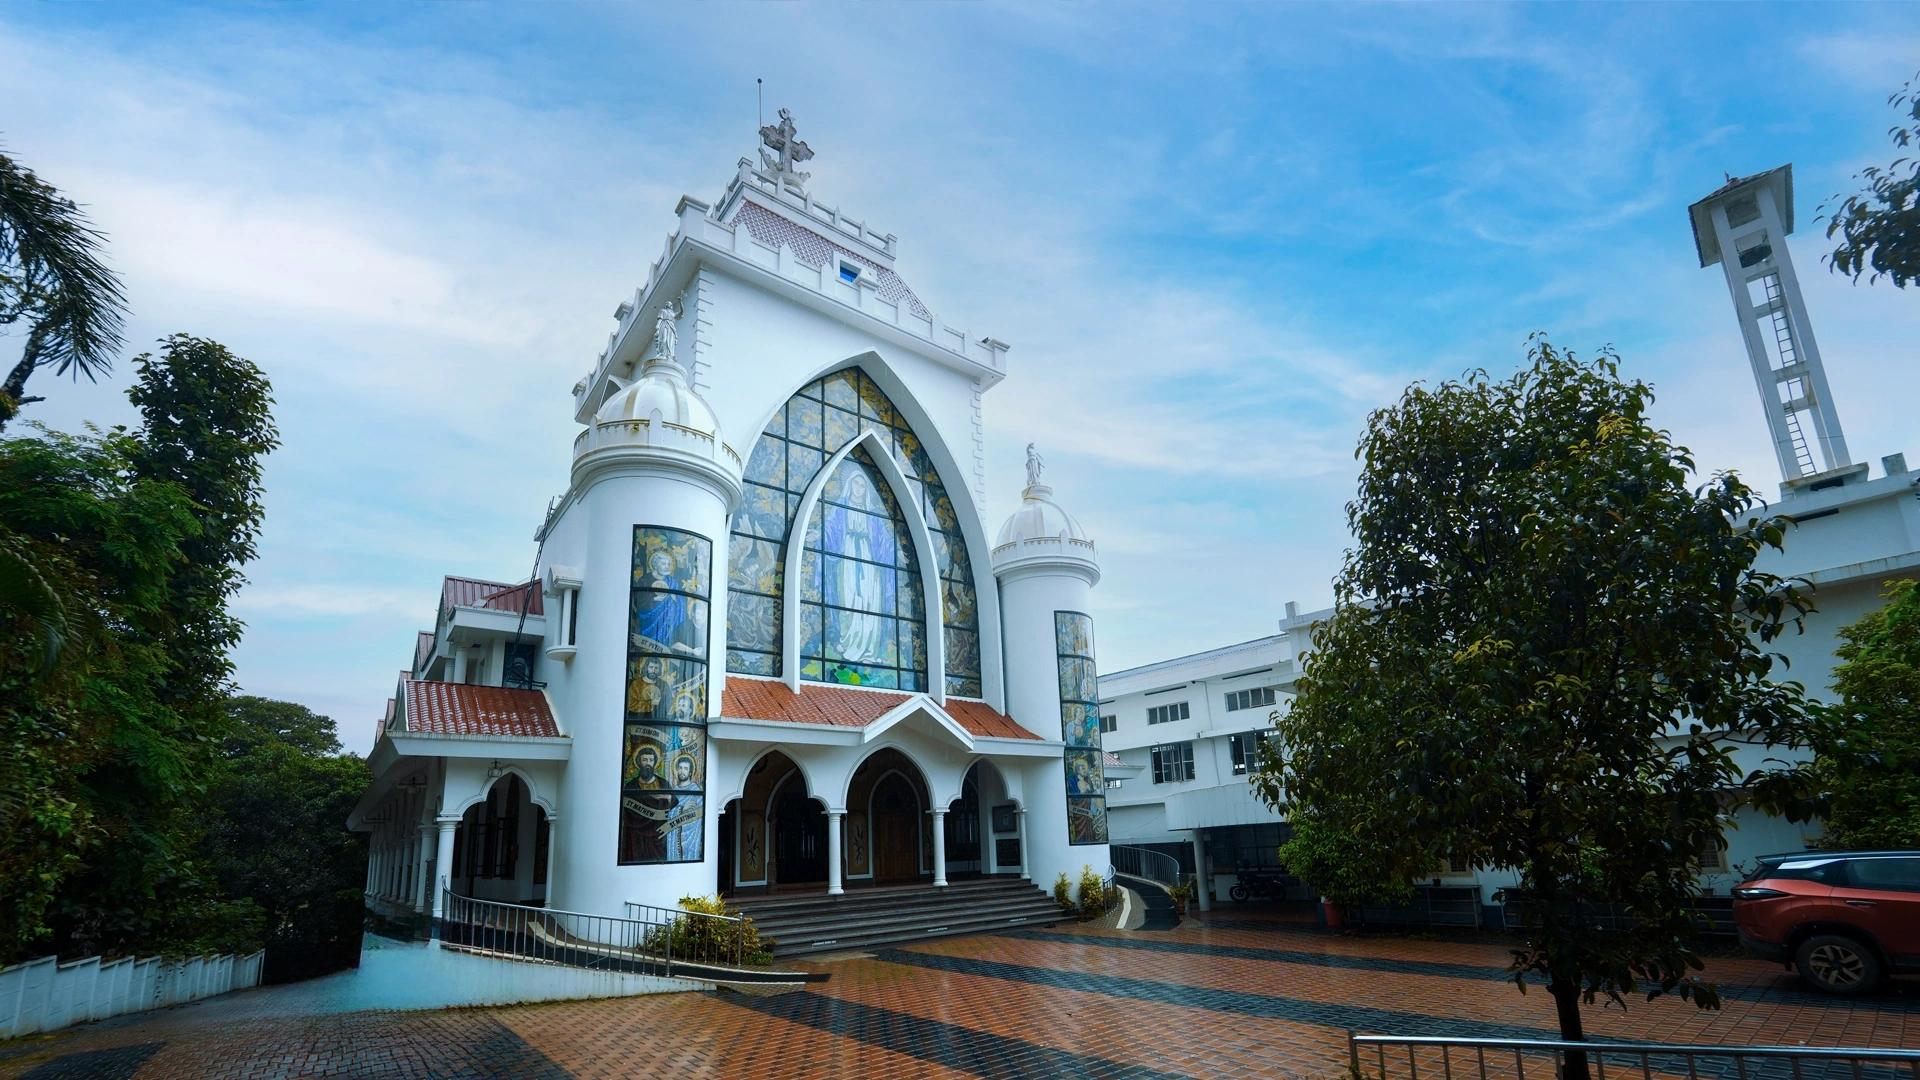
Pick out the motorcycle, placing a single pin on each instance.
(1257, 883)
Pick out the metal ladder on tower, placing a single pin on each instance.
(1796, 387)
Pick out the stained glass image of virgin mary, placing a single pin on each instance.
(862, 579)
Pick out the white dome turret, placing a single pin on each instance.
(1042, 534)
(661, 388)
(1039, 517)
(658, 421)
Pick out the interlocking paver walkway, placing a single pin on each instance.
(1237, 996)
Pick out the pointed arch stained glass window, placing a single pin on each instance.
(823, 417)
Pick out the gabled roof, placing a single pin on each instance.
(422, 648)
(842, 706)
(1706, 243)
(444, 708)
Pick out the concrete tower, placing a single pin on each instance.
(1046, 567)
(652, 463)
(1744, 227)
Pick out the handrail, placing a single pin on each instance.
(653, 943)
(1646, 1058)
(1146, 863)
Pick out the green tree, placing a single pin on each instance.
(1540, 645)
(53, 285)
(277, 834)
(207, 426)
(87, 746)
(1879, 228)
(1868, 764)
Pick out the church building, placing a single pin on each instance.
(770, 642)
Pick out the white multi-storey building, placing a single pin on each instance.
(1189, 722)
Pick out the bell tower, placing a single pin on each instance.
(1744, 227)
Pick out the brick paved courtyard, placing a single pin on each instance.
(1235, 996)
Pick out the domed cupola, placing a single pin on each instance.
(1040, 532)
(661, 388)
(658, 418)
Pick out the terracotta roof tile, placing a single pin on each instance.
(979, 718)
(840, 706)
(444, 708)
(475, 592)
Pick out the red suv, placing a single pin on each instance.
(1845, 919)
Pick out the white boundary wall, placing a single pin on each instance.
(46, 995)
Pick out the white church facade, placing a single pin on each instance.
(770, 642)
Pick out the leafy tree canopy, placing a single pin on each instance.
(1878, 229)
(1869, 761)
(54, 286)
(1541, 642)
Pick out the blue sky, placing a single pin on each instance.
(1216, 236)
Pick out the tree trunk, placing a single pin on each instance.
(1566, 1002)
(13, 391)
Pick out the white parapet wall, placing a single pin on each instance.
(46, 995)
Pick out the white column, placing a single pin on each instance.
(1020, 820)
(1203, 884)
(443, 864)
(553, 856)
(939, 849)
(425, 857)
(834, 818)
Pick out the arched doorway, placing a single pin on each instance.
(965, 854)
(775, 834)
(500, 849)
(889, 832)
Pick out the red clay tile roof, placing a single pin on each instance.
(444, 708)
(513, 596)
(473, 592)
(840, 706)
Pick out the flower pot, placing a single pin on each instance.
(1332, 913)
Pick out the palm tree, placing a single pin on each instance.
(54, 284)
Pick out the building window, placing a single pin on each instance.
(1109, 724)
(1080, 728)
(860, 588)
(1257, 698)
(849, 273)
(1245, 748)
(1712, 855)
(815, 423)
(663, 764)
(1173, 763)
(1166, 714)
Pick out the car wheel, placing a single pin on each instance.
(1239, 894)
(1837, 965)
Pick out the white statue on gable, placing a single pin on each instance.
(787, 150)
(665, 333)
(1034, 465)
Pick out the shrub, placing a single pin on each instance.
(1093, 893)
(709, 941)
(1063, 891)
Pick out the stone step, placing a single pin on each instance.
(868, 935)
(797, 928)
(867, 894)
(869, 918)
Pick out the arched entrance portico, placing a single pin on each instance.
(500, 849)
(775, 834)
(889, 834)
(982, 826)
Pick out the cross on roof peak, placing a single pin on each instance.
(787, 151)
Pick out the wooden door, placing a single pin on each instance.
(896, 830)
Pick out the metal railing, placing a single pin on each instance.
(1369, 1056)
(651, 942)
(1146, 863)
